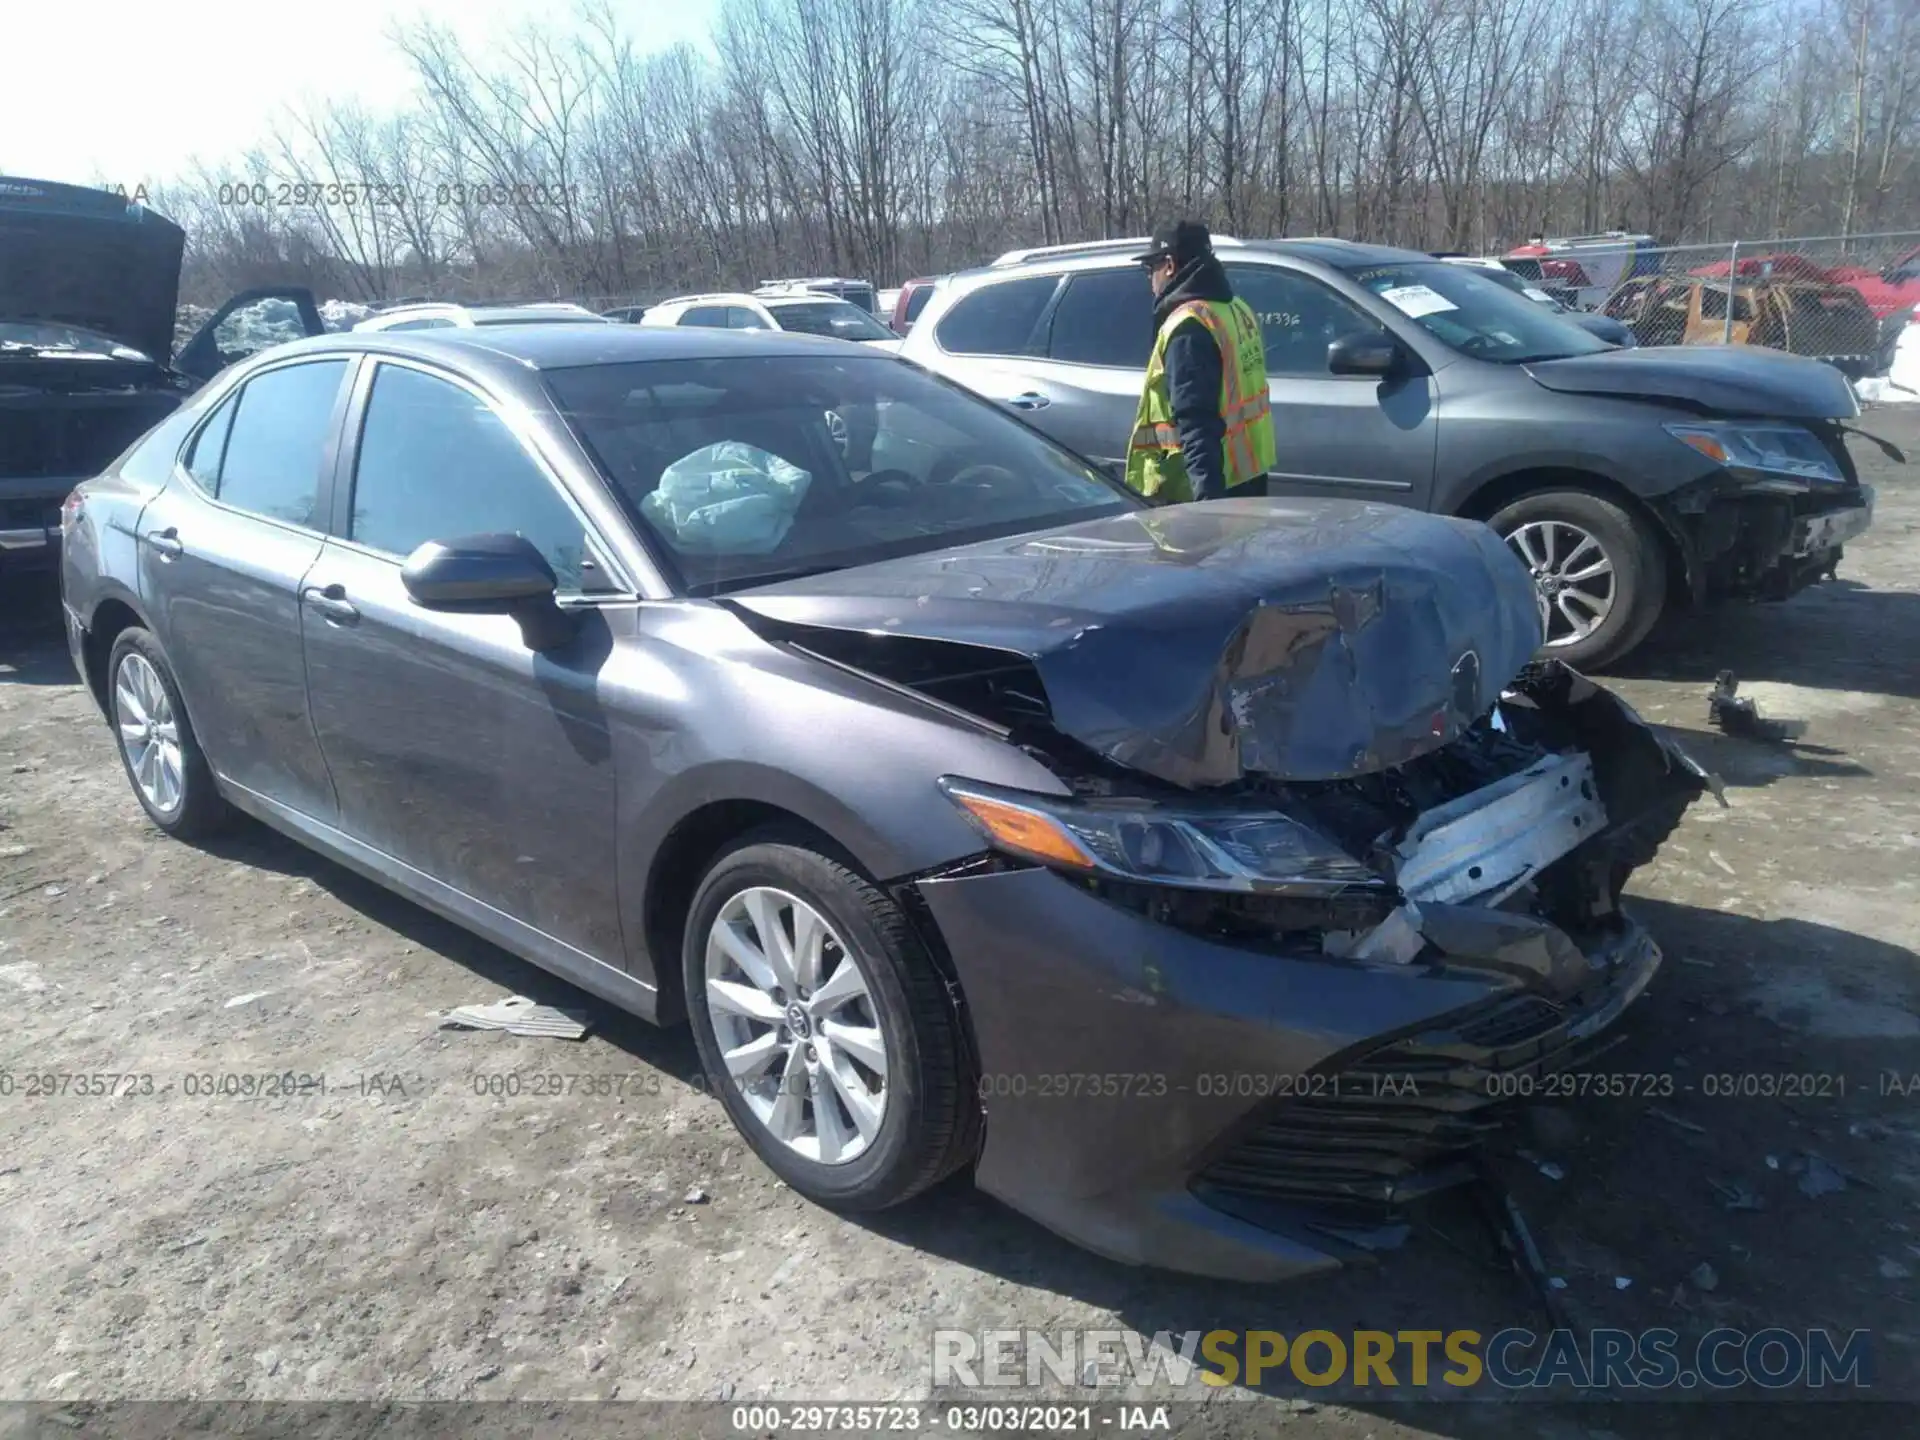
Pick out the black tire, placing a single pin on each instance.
(201, 809)
(1639, 569)
(929, 1127)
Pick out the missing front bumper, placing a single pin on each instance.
(1404, 1120)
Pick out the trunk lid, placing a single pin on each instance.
(1200, 644)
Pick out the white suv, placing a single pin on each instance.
(808, 313)
(436, 316)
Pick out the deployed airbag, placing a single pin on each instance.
(726, 499)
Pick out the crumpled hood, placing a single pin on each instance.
(74, 256)
(1199, 644)
(1725, 379)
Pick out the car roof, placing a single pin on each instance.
(479, 314)
(710, 297)
(1337, 254)
(564, 345)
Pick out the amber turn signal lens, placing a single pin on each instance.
(1707, 446)
(1026, 832)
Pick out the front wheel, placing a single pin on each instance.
(824, 1027)
(1597, 569)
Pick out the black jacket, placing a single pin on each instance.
(1194, 374)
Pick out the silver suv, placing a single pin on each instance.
(1628, 480)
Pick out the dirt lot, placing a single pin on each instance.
(403, 1236)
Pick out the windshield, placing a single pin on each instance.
(829, 317)
(1475, 314)
(748, 470)
(43, 339)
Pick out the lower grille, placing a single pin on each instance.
(1400, 1122)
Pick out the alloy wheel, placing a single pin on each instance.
(1572, 575)
(149, 733)
(796, 1025)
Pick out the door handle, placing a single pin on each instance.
(331, 602)
(166, 543)
(1028, 400)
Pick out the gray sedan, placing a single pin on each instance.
(975, 816)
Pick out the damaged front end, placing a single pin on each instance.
(1318, 810)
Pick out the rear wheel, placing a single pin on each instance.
(1597, 568)
(163, 761)
(824, 1027)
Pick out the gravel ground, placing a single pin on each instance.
(406, 1236)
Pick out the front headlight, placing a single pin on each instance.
(1788, 450)
(1192, 848)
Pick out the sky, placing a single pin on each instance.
(207, 78)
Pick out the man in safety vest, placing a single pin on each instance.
(1204, 428)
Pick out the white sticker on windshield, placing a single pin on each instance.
(1417, 300)
(1540, 295)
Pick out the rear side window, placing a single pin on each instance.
(996, 319)
(203, 459)
(713, 316)
(917, 301)
(436, 463)
(276, 439)
(1105, 318)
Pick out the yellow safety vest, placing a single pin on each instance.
(1155, 464)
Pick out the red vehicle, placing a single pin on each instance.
(1891, 291)
(910, 302)
(1778, 267)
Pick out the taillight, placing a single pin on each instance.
(70, 510)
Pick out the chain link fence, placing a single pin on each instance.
(1843, 299)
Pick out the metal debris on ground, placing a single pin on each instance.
(1739, 716)
(1545, 1167)
(1510, 1228)
(1737, 1195)
(1820, 1178)
(1675, 1120)
(518, 1015)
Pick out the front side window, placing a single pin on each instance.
(1299, 317)
(276, 440)
(436, 462)
(1105, 318)
(1470, 313)
(743, 471)
(996, 319)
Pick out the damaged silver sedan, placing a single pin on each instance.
(1199, 878)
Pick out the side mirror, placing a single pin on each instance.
(490, 575)
(1368, 353)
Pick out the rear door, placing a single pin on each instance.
(224, 549)
(1354, 436)
(990, 341)
(1095, 342)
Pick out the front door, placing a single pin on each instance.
(223, 551)
(245, 325)
(454, 748)
(1358, 437)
